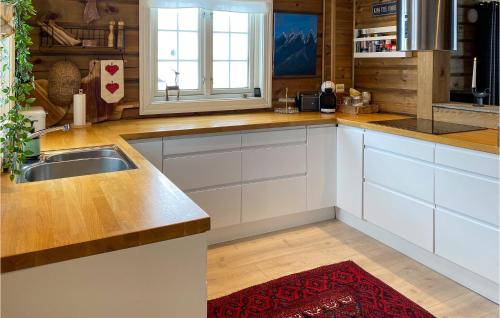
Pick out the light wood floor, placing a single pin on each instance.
(244, 263)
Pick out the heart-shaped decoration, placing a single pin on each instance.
(112, 87)
(112, 69)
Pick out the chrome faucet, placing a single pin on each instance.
(48, 130)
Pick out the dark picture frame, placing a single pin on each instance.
(295, 44)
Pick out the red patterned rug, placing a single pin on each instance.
(336, 291)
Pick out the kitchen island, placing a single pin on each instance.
(104, 220)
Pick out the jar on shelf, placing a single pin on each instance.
(357, 101)
(367, 97)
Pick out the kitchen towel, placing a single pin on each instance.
(90, 12)
(112, 81)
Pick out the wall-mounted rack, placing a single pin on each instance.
(377, 42)
(97, 34)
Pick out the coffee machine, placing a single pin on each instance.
(327, 99)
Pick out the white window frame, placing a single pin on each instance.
(151, 104)
(253, 28)
(160, 94)
(8, 78)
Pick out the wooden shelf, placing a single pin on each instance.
(79, 50)
(381, 30)
(376, 38)
(359, 55)
(387, 29)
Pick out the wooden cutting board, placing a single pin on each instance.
(97, 109)
(55, 113)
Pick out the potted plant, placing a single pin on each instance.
(14, 126)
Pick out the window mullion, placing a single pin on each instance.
(178, 55)
(153, 38)
(252, 36)
(208, 52)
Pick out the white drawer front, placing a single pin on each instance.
(468, 243)
(272, 137)
(185, 145)
(321, 167)
(268, 199)
(350, 170)
(474, 196)
(468, 160)
(403, 216)
(407, 176)
(263, 163)
(204, 170)
(222, 204)
(401, 145)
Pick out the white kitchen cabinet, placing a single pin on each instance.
(274, 137)
(467, 216)
(204, 170)
(406, 217)
(274, 161)
(321, 166)
(404, 146)
(482, 163)
(222, 204)
(350, 170)
(468, 243)
(204, 143)
(151, 149)
(273, 198)
(164, 279)
(251, 176)
(469, 194)
(411, 177)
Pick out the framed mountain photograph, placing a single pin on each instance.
(295, 44)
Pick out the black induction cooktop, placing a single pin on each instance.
(427, 126)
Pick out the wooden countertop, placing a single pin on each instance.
(481, 140)
(52, 221)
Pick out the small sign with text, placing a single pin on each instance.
(383, 9)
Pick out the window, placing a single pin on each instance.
(7, 57)
(178, 48)
(199, 59)
(230, 50)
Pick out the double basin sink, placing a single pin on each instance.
(76, 162)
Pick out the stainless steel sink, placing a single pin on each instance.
(76, 162)
(90, 153)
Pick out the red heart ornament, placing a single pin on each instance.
(112, 69)
(112, 87)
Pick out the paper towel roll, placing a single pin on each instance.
(79, 109)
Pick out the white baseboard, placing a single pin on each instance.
(270, 225)
(475, 282)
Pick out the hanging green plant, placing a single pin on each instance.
(15, 127)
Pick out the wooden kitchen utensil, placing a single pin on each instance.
(55, 113)
(97, 109)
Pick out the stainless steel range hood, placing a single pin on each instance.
(425, 25)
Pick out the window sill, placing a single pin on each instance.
(203, 105)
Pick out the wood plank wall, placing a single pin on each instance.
(338, 30)
(71, 11)
(462, 60)
(392, 81)
(337, 50)
(308, 83)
